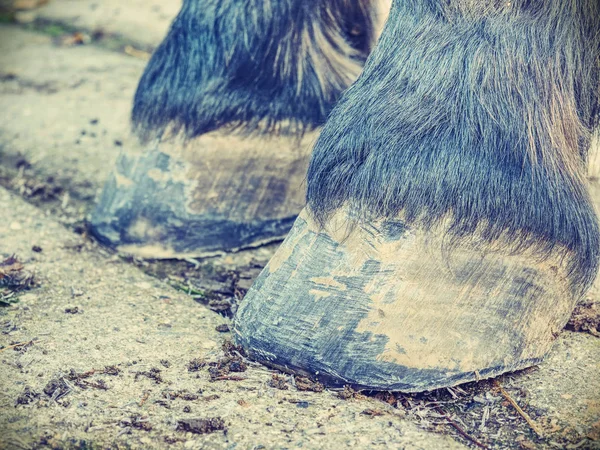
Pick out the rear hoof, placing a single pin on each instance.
(213, 194)
(383, 307)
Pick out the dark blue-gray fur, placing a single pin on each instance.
(466, 109)
(236, 63)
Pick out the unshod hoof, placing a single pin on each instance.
(388, 307)
(213, 194)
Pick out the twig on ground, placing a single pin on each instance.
(136, 53)
(452, 393)
(20, 344)
(458, 428)
(229, 378)
(522, 413)
(144, 398)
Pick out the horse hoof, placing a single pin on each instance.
(213, 194)
(389, 307)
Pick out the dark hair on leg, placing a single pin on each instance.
(266, 65)
(478, 113)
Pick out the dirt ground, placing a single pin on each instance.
(98, 350)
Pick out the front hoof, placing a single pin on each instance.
(213, 194)
(384, 307)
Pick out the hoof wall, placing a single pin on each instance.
(211, 195)
(382, 308)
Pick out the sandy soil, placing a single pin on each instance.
(103, 351)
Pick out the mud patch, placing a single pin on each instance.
(201, 426)
(108, 370)
(231, 361)
(57, 388)
(348, 393)
(153, 374)
(306, 384)
(586, 318)
(278, 382)
(81, 379)
(28, 396)
(137, 422)
(14, 278)
(183, 394)
(42, 190)
(195, 365)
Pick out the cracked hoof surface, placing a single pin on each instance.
(210, 195)
(383, 307)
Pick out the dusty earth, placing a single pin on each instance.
(98, 350)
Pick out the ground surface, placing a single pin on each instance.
(101, 351)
